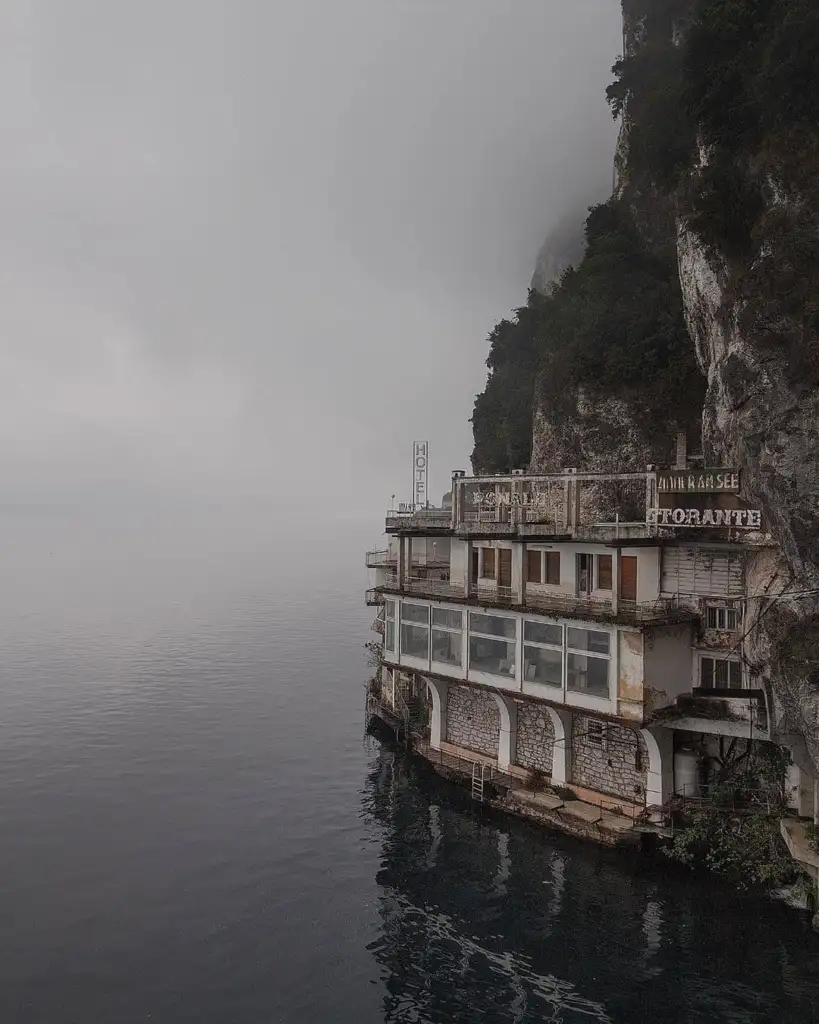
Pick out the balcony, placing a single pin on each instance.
(425, 520)
(662, 611)
(379, 559)
(723, 712)
(373, 597)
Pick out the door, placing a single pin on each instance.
(584, 575)
(473, 571)
(628, 577)
(505, 568)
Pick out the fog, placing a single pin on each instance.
(252, 249)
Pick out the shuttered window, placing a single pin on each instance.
(703, 572)
(604, 572)
(553, 567)
(533, 570)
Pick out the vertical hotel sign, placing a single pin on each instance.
(420, 473)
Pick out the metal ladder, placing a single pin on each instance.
(478, 779)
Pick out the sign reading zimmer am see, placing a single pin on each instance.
(701, 481)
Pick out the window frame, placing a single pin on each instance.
(715, 661)
(534, 557)
(724, 611)
(543, 645)
(509, 642)
(598, 559)
(436, 627)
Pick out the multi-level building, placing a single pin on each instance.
(589, 626)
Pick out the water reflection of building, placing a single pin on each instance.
(487, 924)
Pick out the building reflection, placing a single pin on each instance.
(488, 920)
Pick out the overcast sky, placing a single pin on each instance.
(251, 249)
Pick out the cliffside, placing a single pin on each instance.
(697, 300)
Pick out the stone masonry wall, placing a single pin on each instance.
(473, 720)
(536, 736)
(612, 768)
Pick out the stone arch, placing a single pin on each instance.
(507, 738)
(660, 779)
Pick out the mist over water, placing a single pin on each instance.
(195, 829)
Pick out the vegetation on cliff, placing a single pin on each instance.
(612, 327)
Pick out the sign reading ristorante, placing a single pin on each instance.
(749, 518)
(700, 481)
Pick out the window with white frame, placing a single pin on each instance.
(447, 635)
(389, 625)
(543, 653)
(415, 630)
(721, 616)
(720, 673)
(492, 643)
(588, 657)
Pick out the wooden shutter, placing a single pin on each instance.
(703, 572)
(504, 568)
(604, 572)
(553, 567)
(628, 577)
(488, 563)
(533, 563)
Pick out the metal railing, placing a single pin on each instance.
(377, 559)
(424, 518)
(489, 592)
(373, 597)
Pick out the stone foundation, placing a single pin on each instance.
(536, 736)
(473, 720)
(611, 768)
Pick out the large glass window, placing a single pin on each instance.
(415, 613)
(446, 618)
(543, 653)
(587, 674)
(447, 641)
(494, 656)
(415, 630)
(543, 633)
(487, 653)
(493, 625)
(389, 626)
(446, 647)
(414, 641)
(542, 665)
(592, 640)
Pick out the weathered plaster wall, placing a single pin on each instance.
(473, 720)
(536, 737)
(612, 768)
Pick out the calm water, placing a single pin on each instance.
(194, 828)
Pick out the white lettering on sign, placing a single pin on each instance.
(701, 481)
(748, 519)
(420, 472)
(525, 500)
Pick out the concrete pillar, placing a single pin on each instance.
(660, 781)
(518, 571)
(439, 692)
(508, 737)
(562, 748)
(468, 581)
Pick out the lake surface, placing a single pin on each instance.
(194, 827)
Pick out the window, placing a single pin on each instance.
(543, 653)
(389, 627)
(493, 625)
(721, 617)
(415, 630)
(447, 642)
(534, 561)
(553, 568)
(591, 640)
(587, 661)
(487, 651)
(720, 674)
(488, 564)
(604, 572)
(596, 733)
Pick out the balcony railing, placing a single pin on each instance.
(373, 597)
(423, 519)
(379, 559)
(644, 613)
